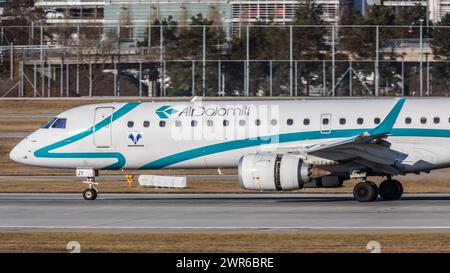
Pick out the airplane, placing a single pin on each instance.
(276, 145)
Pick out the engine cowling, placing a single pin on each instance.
(273, 172)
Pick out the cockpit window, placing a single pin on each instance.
(49, 123)
(60, 123)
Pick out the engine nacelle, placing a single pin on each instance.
(273, 172)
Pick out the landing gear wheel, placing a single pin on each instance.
(90, 194)
(365, 191)
(391, 190)
(400, 186)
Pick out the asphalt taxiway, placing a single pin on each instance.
(223, 211)
(111, 177)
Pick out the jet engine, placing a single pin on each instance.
(276, 172)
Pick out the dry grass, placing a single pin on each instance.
(43, 241)
(45, 106)
(55, 106)
(42, 186)
(20, 124)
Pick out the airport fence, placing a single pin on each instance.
(255, 60)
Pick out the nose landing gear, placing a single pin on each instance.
(91, 192)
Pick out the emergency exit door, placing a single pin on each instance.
(103, 133)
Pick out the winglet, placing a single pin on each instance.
(386, 126)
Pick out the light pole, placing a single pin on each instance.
(421, 57)
(363, 7)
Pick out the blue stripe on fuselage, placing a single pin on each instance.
(282, 138)
(45, 152)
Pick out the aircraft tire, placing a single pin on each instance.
(400, 189)
(90, 194)
(391, 190)
(365, 191)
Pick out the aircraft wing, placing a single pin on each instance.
(369, 148)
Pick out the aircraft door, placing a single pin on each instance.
(325, 124)
(103, 135)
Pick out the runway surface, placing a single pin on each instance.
(222, 211)
(112, 177)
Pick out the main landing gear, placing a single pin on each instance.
(368, 191)
(390, 189)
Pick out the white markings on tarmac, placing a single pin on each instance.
(223, 212)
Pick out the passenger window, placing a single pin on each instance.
(193, 123)
(177, 123)
(408, 120)
(423, 120)
(377, 120)
(360, 121)
(162, 123)
(146, 124)
(49, 123)
(242, 122)
(325, 121)
(209, 123)
(306, 121)
(342, 121)
(226, 123)
(60, 123)
(289, 121)
(273, 122)
(436, 120)
(257, 122)
(130, 124)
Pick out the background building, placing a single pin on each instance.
(230, 13)
(75, 12)
(281, 11)
(141, 13)
(436, 8)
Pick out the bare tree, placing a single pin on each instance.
(93, 51)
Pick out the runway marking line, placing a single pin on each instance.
(232, 228)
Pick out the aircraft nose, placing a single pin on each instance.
(18, 154)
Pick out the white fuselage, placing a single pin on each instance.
(153, 135)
